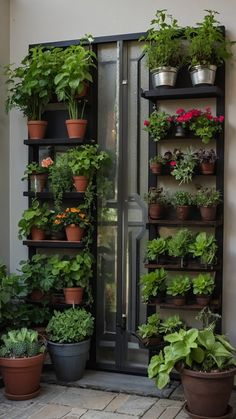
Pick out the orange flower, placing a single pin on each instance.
(46, 162)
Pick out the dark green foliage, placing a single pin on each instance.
(21, 343)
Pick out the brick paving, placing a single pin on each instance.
(57, 401)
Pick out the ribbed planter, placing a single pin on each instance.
(38, 182)
(37, 129)
(73, 295)
(80, 183)
(76, 128)
(37, 234)
(21, 376)
(69, 359)
(207, 394)
(74, 233)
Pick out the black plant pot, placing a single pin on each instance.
(69, 359)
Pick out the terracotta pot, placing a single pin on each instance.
(38, 182)
(207, 394)
(37, 295)
(37, 234)
(80, 183)
(178, 300)
(155, 211)
(203, 299)
(207, 168)
(183, 212)
(21, 376)
(74, 233)
(208, 213)
(37, 129)
(73, 295)
(76, 128)
(156, 168)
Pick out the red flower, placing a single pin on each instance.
(221, 118)
(170, 119)
(173, 163)
(146, 123)
(208, 109)
(179, 111)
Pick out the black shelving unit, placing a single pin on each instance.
(184, 91)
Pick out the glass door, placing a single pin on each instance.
(123, 214)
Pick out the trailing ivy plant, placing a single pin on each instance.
(60, 177)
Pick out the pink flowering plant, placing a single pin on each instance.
(158, 125)
(205, 125)
(35, 168)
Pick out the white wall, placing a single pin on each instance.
(4, 134)
(34, 21)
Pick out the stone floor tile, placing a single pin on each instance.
(136, 405)
(85, 398)
(94, 414)
(117, 402)
(170, 413)
(51, 411)
(178, 393)
(154, 412)
(162, 407)
(49, 392)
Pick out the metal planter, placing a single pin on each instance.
(201, 75)
(164, 76)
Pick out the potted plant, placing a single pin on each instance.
(75, 221)
(157, 200)
(34, 221)
(206, 160)
(148, 333)
(38, 174)
(204, 247)
(203, 286)
(155, 248)
(153, 285)
(163, 49)
(178, 288)
(205, 125)
(181, 121)
(182, 202)
(72, 275)
(207, 49)
(207, 200)
(171, 324)
(84, 162)
(69, 341)
(183, 166)
(21, 362)
(178, 245)
(157, 125)
(56, 230)
(206, 364)
(157, 163)
(77, 63)
(30, 87)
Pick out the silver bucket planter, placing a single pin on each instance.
(164, 76)
(201, 75)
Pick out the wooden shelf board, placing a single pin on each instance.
(53, 244)
(182, 93)
(189, 268)
(175, 222)
(49, 195)
(186, 306)
(55, 141)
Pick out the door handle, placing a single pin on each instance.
(122, 325)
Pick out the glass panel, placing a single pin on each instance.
(107, 209)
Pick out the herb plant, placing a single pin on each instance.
(153, 283)
(179, 285)
(156, 196)
(158, 159)
(207, 197)
(181, 199)
(183, 169)
(204, 284)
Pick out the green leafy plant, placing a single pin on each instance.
(204, 247)
(155, 248)
(156, 196)
(178, 245)
(163, 46)
(158, 159)
(21, 343)
(75, 70)
(86, 160)
(171, 324)
(205, 125)
(153, 283)
(70, 216)
(207, 197)
(182, 198)
(30, 86)
(207, 44)
(35, 216)
(157, 125)
(204, 284)
(179, 285)
(70, 326)
(60, 177)
(199, 350)
(183, 169)
(151, 328)
(36, 168)
(37, 273)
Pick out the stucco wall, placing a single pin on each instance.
(34, 21)
(4, 134)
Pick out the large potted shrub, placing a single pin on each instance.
(34, 221)
(207, 200)
(21, 362)
(208, 48)
(69, 341)
(30, 87)
(75, 71)
(163, 49)
(206, 364)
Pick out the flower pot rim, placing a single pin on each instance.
(67, 344)
(163, 69)
(73, 121)
(209, 375)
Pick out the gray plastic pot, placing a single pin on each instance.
(69, 359)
